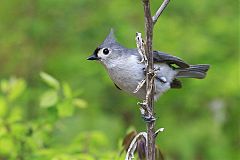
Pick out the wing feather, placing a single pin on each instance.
(169, 59)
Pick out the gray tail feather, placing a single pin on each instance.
(194, 71)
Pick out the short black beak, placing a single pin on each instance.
(93, 57)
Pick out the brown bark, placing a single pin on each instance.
(150, 153)
(149, 24)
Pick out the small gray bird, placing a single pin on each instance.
(126, 71)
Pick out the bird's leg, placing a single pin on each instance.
(140, 84)
(147, 117)
(162, 78)
(156, 69)
(146, 113)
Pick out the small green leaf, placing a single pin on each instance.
(13, 88)
(17, 86)
(51, 81)
(67, 90)
(65, 109)
(79, 103)
(48, 99)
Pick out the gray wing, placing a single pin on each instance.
(169, 59)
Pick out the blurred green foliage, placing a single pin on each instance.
(78, 114)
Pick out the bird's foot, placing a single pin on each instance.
(147, 117)
(155, 69)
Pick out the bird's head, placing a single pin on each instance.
(108, 51)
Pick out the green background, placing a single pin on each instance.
(79, 114)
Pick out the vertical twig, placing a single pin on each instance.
(149, 101)
(147, 106)
(150, 153)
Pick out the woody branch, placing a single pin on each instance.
(147, 106)
(149, 24)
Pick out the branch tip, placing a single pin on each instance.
(160, 10)
(159, 130)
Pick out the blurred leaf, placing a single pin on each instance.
(15, 114)
(3, 129)
(7, 146)
(48, 98)
(17, 88)
(67, 90)
(4, 86)
(3, 107)
(98, 139)
(13, 88)
(80, 103)
(18, 130)
(51, 81)
(128, 139)
(65, 108)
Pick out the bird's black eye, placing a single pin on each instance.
(105, 51)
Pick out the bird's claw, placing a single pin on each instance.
(148, 118)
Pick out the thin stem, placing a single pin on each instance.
(149, 80)
(160, 10)
(149, 101)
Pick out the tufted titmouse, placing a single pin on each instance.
(126, 71)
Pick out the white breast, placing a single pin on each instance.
(127, 73)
